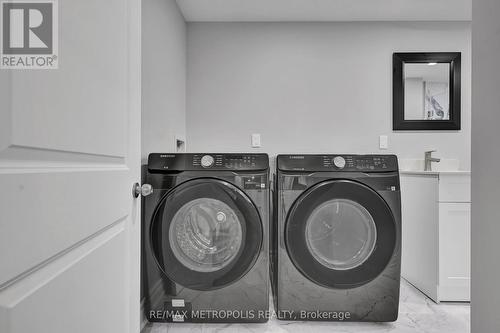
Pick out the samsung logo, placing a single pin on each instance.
(167, 156)
(296, 157)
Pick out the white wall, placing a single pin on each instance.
(163, 76)
(312, 87)
(485, 161)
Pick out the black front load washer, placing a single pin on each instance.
(205, 238)
(337, 232)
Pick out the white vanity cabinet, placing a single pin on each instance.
(436, 233)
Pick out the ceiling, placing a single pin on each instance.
(325, 10)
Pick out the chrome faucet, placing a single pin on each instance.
(429, 159)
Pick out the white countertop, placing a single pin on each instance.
(434, 173)
(445, 167)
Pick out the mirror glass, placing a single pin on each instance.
(426, 91)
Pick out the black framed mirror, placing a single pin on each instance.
(426, 91)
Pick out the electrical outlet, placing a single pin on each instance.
(256, 143)
(383, 142)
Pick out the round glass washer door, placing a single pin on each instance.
(205, 234)
(340, 234)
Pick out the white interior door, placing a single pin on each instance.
(69, 154)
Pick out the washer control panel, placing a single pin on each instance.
(341, 162)
(207, 161)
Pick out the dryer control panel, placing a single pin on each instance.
(207, 161)
(338, 162)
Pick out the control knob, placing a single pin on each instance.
(339, 162)
(207, 161)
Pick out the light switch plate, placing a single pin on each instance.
(383, 142)
(256, 140)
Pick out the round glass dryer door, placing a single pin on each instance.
(340, 234)
(206, 233)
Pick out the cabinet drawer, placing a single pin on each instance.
(454, 188)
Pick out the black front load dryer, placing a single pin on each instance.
(337, 249)
(205, 238)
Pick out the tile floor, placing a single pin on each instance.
(417, 313)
